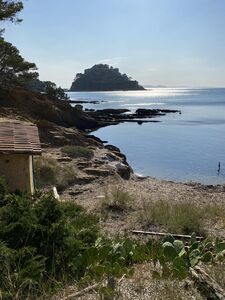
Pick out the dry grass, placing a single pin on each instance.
(48, 172)
(181, 217)
(116, 200)
(217, 272)
(77, 151)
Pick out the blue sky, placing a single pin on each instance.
(169, 42)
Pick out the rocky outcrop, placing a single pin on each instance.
(116, 116)
(154, 112)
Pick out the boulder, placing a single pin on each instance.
(123, 170)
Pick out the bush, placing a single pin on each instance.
(77, 151)
(40, 242)
(45, 170)
(49, 172)
(3, 188)
(116, 200)
(45, 244)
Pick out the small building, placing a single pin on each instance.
(19, 142)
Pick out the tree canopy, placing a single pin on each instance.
(9, 10)
(102, 77)
(14, 69)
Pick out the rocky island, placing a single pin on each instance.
(102, 77)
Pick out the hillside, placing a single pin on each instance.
(102, 77)
(35, 106)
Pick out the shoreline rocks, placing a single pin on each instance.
(107, 117)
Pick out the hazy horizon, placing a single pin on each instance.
(164, 42)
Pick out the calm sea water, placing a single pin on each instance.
(184, 147)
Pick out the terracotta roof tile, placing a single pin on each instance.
(19, 137)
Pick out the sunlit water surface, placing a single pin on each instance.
(182, 147)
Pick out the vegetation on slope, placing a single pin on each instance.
(46, 244)
(103, 78)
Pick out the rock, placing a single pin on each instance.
(98, 162)
(64, 159)
(111, 157)
(85, 179)
(147, 112)
(153, 112)
(112, 148)
(123, 170)
(83, 164)
(98, 172)
(112, 111)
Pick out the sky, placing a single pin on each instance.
(157, 42)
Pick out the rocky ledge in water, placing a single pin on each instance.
(116, 116)
(86, 102)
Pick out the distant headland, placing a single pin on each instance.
(102, 77)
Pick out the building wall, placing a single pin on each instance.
(18, 172)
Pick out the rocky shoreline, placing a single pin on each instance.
(107, 117)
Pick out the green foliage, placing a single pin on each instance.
(102, 77)
(41, 240)
(176, 258)
(55, 93)
(9, 10)
(14, 70)
(77, 151)
(3, 188)
(45, 244)
(48, 88)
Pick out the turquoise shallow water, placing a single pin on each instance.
(184, 147)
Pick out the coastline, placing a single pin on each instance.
(109, 171)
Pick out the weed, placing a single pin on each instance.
(180, 217)
(77, 151)
(49, 172)
(116, 200)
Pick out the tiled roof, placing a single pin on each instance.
(19, 137)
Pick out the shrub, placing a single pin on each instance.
(45, 170)
(49, 172)
(3, 189)
(116, 200)
(77, 151)
(44, 239)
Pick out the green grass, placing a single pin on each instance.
(77, 151)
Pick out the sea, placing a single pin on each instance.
(186, 147)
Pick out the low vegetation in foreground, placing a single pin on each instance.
(48, 172)
(181, 217)
(46, 245)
